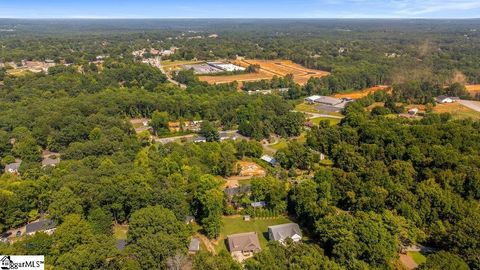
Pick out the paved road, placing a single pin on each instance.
(158, 64)
(311, 115)
(474, 105)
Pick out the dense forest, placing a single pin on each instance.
(390, 183)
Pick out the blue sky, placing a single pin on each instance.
(240, 9)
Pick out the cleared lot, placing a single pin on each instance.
(268, 69)
(362, 93)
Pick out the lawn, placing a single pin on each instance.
(282, 143)
(236, 224)
(418, 257)
(457, 110)
(333, 121)
(120, 231)
(312, 108)
(304, 107)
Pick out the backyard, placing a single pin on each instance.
(236, 224)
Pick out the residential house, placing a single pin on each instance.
(271, 160)
(236, 191)
(50, 161)
(413, 111)
(243, 245)
(282, 232)
(194, 246)
(311, 99)
(13, 167)
(258, 204)
(200, 139)
(43, 225)
(446, 99)
(224, 136)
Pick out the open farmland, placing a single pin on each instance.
(268, 69)
(362, 93)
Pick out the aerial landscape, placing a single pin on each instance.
(330, 134)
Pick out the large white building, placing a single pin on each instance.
(226, 66)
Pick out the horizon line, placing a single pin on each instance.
(236, 18)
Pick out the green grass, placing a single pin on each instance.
(282, 143)
(120, 231)
(311, 108)
(316, 121)
(233, 225)
(418, 257)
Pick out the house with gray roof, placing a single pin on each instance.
(194, 245)
(43, 225)
(13, 167)
(243, 245)
(282, 232)
(49, 161)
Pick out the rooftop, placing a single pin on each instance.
(243, 242)
(194, 245)
(41, 225)
(283, 231)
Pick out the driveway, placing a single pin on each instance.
(474, 105)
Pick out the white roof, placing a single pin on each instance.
(313, 98)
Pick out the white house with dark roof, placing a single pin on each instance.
(446, 99)
(284, 231)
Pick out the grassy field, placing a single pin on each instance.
(311, 108)
(120, 231)
(457, 111)
(418, 257)
(236, 224)
(333, 121)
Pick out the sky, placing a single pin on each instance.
(240, 9)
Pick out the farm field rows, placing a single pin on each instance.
(268, 69)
